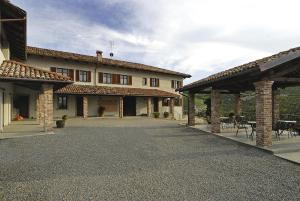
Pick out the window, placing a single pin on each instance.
(62, 102)
(83, 76)
(144, 81)
(63, 71)
(176, 84)
(177, 102)
(107, 78)
(124, 79)
(165, 102)
(154, 82)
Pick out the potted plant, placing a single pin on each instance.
(166, 114)
(61, 123)
(101, 110)
(156, 114)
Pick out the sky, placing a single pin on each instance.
(198, 37)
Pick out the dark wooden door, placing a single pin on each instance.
(155, 104)
(129, 106)
(79, 106)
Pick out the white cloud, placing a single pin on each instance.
(199, 37)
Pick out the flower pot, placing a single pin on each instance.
(60, 124)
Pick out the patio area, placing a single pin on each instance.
(23, 128)
(286, 147)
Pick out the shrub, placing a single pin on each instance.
(156, 114)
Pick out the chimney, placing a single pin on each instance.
(99, 55)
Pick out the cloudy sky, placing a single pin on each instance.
(199, 37)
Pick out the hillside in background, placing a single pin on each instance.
(289, 103)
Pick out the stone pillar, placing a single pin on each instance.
(191, 109)
(263, 90)
(85, 106)
(172, 108)
(215, 111)
(149, 107)
(237, 104)
(41, 108)
(47, 107)
(276, 107)
(121, 102)
(38, 108)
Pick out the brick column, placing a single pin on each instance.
(149, 107)
(191, 109)
(172, 108)
(276, 107)
(41, 108)
(215, 111)
(85, 106)
(47, 104)
(263, 90)
(121, 102)
(237, 104)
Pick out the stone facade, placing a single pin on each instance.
(263, 90)
(172, 108)
(215, 111)
(85, 107)
(149, 102)
(191, 110)
(121, 102)
(46, 102)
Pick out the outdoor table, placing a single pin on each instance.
(286, 125)
(253, 128)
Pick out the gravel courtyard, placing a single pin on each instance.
(140, 159)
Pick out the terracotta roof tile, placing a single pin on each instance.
(16, 70)
(255, 65)
(105, 61)
(113, 91)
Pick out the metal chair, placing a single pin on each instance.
(240, 123)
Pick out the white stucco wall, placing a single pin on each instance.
(6, 90)
(70, 112)
(141, 105)
(94, 101)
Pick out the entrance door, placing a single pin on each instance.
(22, 104)
(129, 106)
(155, 104)
(79, 106)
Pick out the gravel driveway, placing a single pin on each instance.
(140, 159)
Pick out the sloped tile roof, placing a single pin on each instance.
(16, 70)
(105, 61)
(254, 65)
(113, 91)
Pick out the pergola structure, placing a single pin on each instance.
(264, 76)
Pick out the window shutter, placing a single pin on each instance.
(53, 69)
(100, 77)
(129, 80)
(173, 84)
(118, 79)
(77, 75)
(114, 78)
(157, 82)
(71, 74)
(151, 83)
(89, 76)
